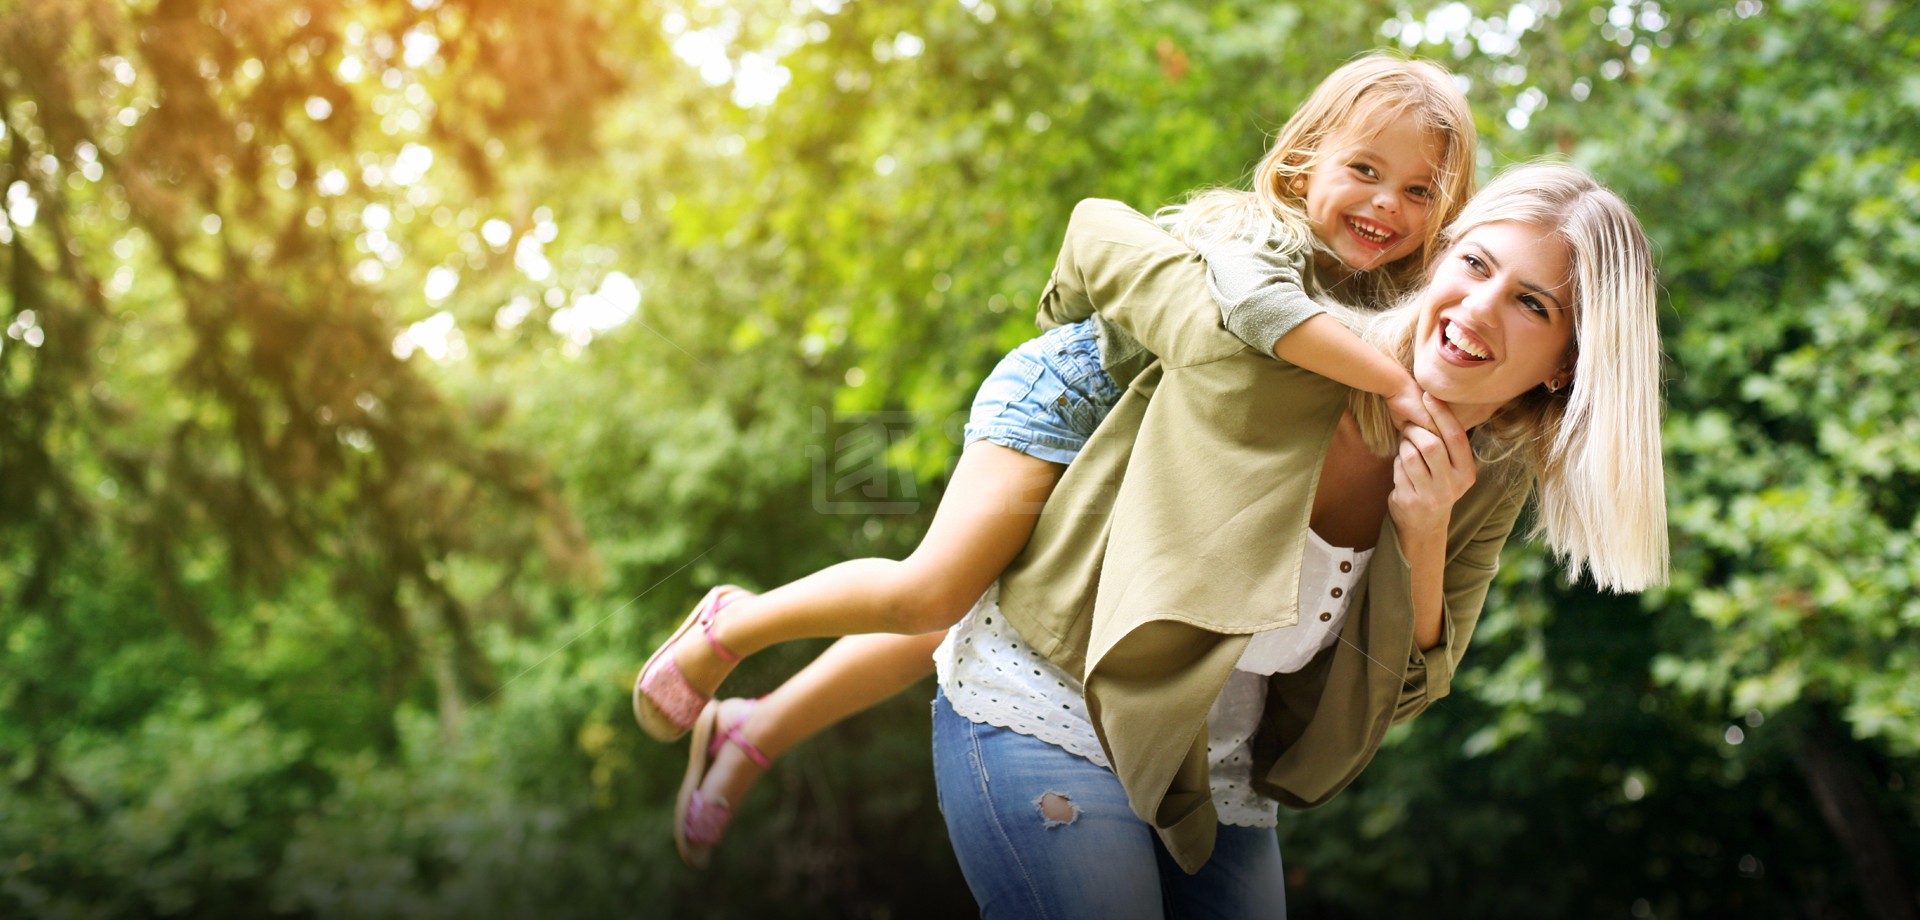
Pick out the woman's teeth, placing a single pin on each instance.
(1459, 340)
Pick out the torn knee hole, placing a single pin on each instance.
(1057, 809)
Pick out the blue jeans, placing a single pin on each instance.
(1045, 398)
(1101, 861)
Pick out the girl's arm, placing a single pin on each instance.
(1264, 303)
(1326, 347)
(1117, 264)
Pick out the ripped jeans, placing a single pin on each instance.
(1043, 833)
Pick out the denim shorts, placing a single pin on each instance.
(1092, 857)
(1045, 398)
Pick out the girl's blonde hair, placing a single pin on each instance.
(1594, 446)
(1355, 101)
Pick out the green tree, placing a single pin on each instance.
(381, 379)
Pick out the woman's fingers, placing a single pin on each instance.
(1448, 427)
(1442, 463)
(1418, 500)
(1427, 448)
(1433, 469)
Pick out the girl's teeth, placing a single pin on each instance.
(1460, 342)
(1368, 232)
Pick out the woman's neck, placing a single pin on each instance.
(1472, 415)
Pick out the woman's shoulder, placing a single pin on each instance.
(1505, 480)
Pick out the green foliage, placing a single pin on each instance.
(382, 379)
(1795, 417)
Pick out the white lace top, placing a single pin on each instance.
(990, 675)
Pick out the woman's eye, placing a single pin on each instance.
(1533, 304)
(1473, 262)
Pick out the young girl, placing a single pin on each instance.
(1347, 203)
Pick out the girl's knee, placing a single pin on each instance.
(924, 597)
(926, 619)
(932, 613)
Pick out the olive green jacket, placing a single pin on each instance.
(1178, 531)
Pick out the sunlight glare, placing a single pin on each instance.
(496, 232)
(441, 281)
(411, 165)
(22, 209)
(421, 45)
(438, 337)
(616, 301)
(528, 258)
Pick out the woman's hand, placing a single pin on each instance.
(1431, 472)
(1433, 469)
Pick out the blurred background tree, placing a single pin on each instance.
(382, 379)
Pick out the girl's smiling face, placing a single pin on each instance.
(1367, 197)
(1497, 319)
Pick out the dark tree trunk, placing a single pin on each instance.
(1837, 788)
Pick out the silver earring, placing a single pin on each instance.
(1555, 385)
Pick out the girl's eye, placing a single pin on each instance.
(1421, 192)
(1365, 170)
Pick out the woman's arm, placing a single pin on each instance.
(1442, 557)
(1432, 472)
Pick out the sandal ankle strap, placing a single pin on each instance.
(734, 734)
(706, 628)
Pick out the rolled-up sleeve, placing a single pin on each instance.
(1470, 571)
(1259, 291)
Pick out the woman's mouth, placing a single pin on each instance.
(1461, 344)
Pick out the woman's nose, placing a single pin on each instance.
(1480, 302)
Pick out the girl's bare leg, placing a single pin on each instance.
(849, 676)
(984, 520)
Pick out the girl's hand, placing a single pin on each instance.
(1431, 472)
(1409, 409)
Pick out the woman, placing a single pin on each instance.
(1153, 639)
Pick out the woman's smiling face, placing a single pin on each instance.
(1497, 318)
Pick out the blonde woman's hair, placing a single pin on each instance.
(1354, 102)
(1594, 446)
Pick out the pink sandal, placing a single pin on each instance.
(664, 703)
(699, 820)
